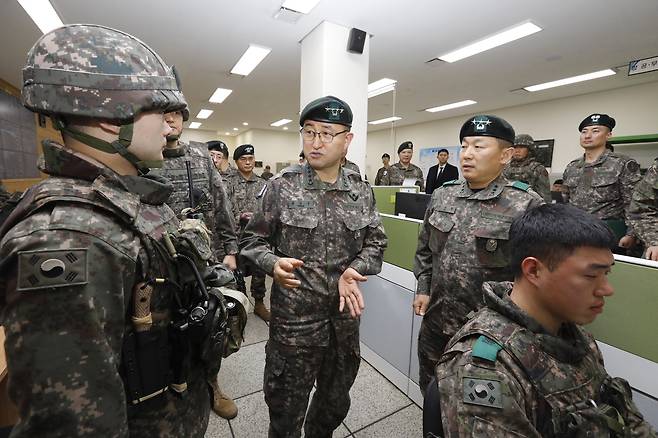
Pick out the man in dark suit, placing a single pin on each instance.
(440, 173)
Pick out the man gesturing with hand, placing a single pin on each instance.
(326, 236)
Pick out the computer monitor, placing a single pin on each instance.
(412, 204)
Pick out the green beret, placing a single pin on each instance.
(485, 125)
(245, 149)
(328, 109)
(597, 119)
(405, 145)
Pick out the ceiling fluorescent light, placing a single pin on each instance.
(235, 129)
(204, 114)
(250, 59)
(301, 6)
(450, 106)
(227, 133)
(381, 86)
(220, 95)
(285, 128)
(42, 13)
(245, 124)
(571, 80)
(504, 37)
(195, 125)
(386, 120)
(280, 122)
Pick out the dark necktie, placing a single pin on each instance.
(438, 177)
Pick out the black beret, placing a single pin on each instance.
(218, 145)
(328, 109)
(597, 119)
(485, 125)
(405, 145)
(386, 156)
(245, 149)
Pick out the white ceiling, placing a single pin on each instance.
(204, 39)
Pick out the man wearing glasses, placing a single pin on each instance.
(317, 232)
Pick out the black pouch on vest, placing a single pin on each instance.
(146, 367)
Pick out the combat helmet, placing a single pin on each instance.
(87, 70)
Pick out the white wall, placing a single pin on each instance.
(634, 108)
(202, 135)
(271, 147)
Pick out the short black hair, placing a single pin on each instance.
(443, 150)
(552, 232)
(558, 181)
(301, 155)
(386, 156)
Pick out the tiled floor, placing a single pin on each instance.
(378, 407)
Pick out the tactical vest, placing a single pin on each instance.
(156, 358)
(569, 407)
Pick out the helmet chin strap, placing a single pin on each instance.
(119, 145)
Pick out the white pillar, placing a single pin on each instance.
(329, 69)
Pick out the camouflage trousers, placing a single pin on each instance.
(432, 341)
(290, 372)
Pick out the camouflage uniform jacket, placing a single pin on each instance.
(532, 173)
(464, 240)
(330, 227)
(504, 375)
(381, 173)
(209, 193)
(243, 194)
(603, 188)
(397, 174)
(644, 207)
(230, 170)
(352, 166)
(85, 238)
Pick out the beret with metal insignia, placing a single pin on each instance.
(484, 125)
(218, 145)
(328, 109)
(598, 119)
(405, 145)
(245, 149)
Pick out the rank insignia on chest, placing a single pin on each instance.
(491, 245)
(353, 196)
(297, 204)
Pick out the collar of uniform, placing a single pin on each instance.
(568, 346)
(58, 160)
(604, 156)
(521, 163)
(400, 166)
(491, 191)
(178, 151)
(311, 181)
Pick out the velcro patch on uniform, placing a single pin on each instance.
(488, 214)
(446, 208)
(47, 269)
(483, 392)
(485, 348)
(632, 166)
(300, 203)
(521, 185)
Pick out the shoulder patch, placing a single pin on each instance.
(51, 268)
(483, 392)
(520, 185)
(632, 166)
(451, 183)
(485, 348)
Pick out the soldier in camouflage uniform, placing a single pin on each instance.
(601, 182)
(82, 243)
(522, 366)
(644, 211)
(525, 168)
(219, 153)
(464, 236)
(383, 171)
(243, 189)
(209, 199)
(404, 169)
(326, 233)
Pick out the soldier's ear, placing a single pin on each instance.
(110, 128)
(531, 267)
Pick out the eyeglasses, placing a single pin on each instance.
(325, 137)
